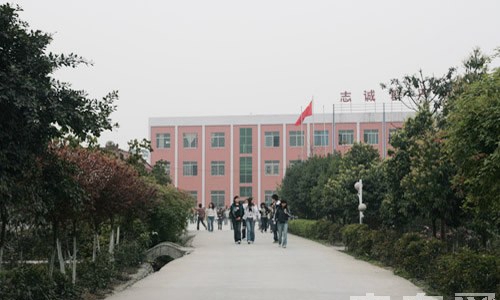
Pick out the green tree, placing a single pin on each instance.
(160, 174)
(474, 144)
(36, 108)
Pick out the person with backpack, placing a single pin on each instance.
(274, 207)
(201, 217)
(220, 218)
(282, 216)
(264, 212)
(251, 216)
(236, 213)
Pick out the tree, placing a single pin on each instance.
(474, 144)
(159, 172)
(36, 108)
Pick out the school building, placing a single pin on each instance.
(216, 158)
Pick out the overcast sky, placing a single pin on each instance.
(212, 57)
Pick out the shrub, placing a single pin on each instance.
(468, 272)
(97, 275)
(129, 254)
(351, 235)
(303, 228)
(384, 241)
(31, 282)
(335, 235)
(416, 254)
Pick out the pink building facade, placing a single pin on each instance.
(216, 158)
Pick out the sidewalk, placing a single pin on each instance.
(220, 269)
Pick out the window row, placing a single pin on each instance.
(218, 168)
(218, 198)
(272, 139)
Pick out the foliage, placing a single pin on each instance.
(160, 174)
(474, 145)
(31, 282)
(416, 254)
(96, 275)
(169, 217)
(351, 235)
(466, 271)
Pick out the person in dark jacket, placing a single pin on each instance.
(272, 220)
(282, 216)
(236, 213)
(201, 217)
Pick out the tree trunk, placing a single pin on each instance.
(60, 257)
(118, 235)
(94, 248)
(1, 257)
(51, 263)
(434, 228)
(443, 230)
(74, 260)
(112, 241)
(3, 231)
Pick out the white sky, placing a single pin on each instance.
(230, 57)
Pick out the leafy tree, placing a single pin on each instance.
(474, 145)
(36, 108)
(160, 174)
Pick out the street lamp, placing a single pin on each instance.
(361, 207)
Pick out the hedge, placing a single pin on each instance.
(413, 255)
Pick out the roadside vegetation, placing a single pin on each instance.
(433, 206)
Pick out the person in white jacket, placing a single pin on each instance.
(251, 216)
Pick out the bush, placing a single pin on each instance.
(129, 254)
(416, 254)
(335, 235)
(384, 241)
(97, 275)
(303, 228)
(468, 272)
(31, 282)
(351, 235)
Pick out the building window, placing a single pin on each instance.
(245, 140)
(190, 168)
(163, 140)
(294, 162)
(296, 138)
(346, 137)
(320, 137)
(272, 138)
(272, 167)
(217, 168)
(267, 197)
(218, 198)
(194, 195)
(218, 140)
(392, 132)
(190, 140)
(166, 165)
(245, 191)
(371, 136)
(245, 170)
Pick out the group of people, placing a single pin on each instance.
(245, 215)
(211, 214)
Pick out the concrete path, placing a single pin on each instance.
(305, 270)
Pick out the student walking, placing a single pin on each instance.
(201, 217)
(211, 213)
(282, 216)
(274, 226)
(264, 211)
(236, 213)
(251, 215)
(220, 218)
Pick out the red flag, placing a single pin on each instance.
(306, 113)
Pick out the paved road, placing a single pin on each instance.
(220, 269)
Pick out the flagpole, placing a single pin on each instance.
(301, 133)
(312, 110)
(324, 130)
